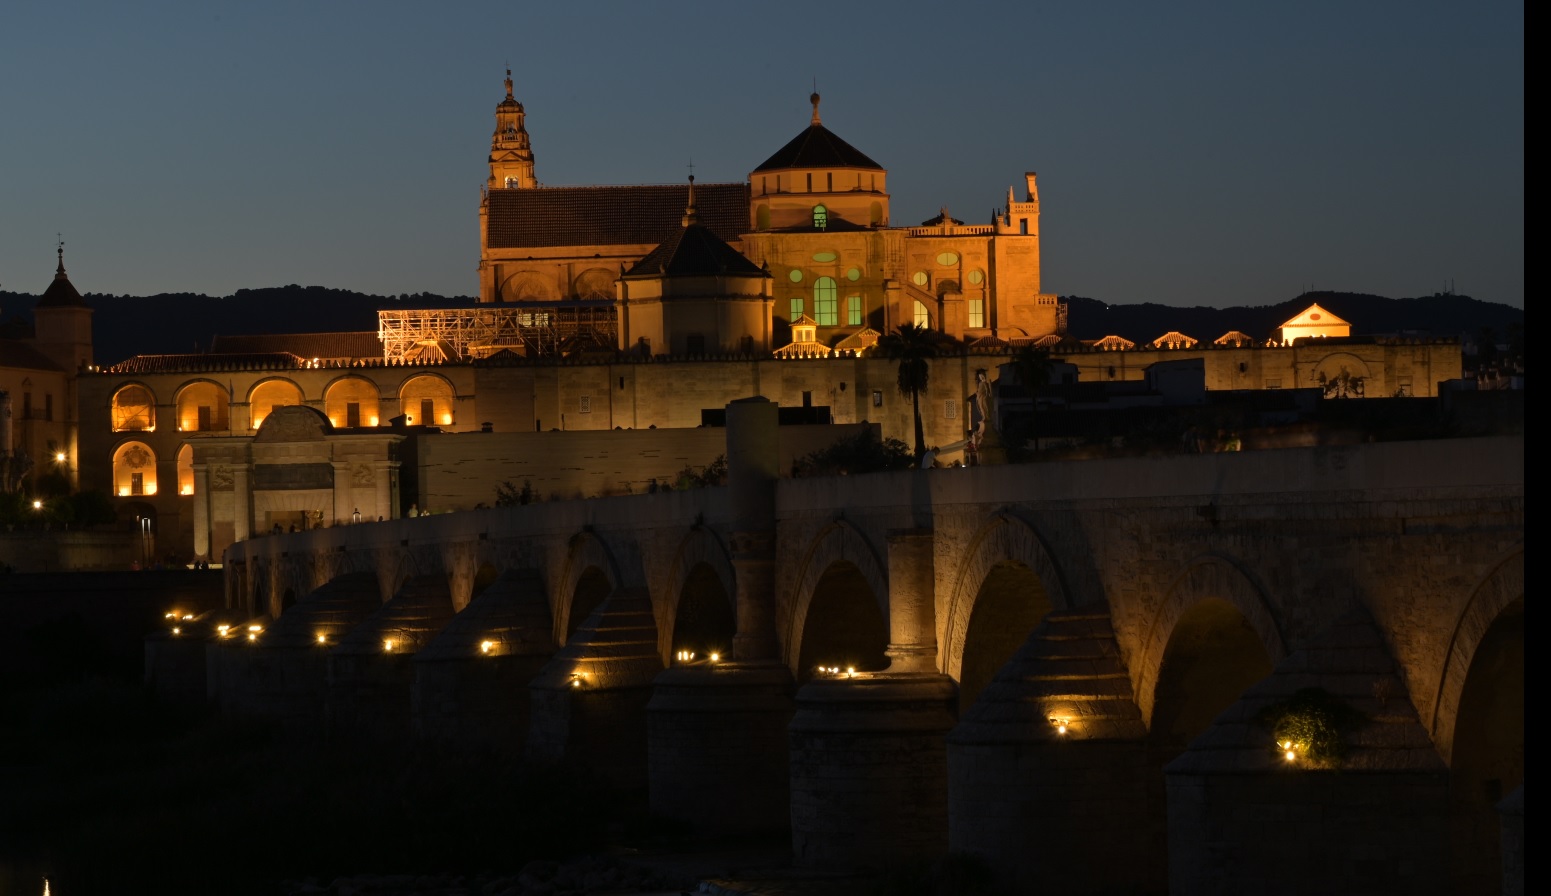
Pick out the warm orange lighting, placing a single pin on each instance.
(224, 630)
(59, 456)
(323, 639)
(123, 491)
(374, 421)
(576, 679)
(176, 630)
(186, 490)
(37, 505)
(446, 419)
(1062, 726)
(252, 636)
(255, 628)
(486, 646)
(150, 488)
(716, 657)
(387, 645)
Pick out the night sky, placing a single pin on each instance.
(1189, 153)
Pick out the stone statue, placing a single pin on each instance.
(985, 402)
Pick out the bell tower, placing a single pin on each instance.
(511, 158)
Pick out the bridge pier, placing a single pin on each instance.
(1050, 776)
(371, 672)
(717, 747)
(588, 706)
(471, 682)
(869, 770)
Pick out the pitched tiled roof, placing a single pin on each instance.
(694, 250)
(180, 363)
(818, 147)
(360, 344)
(586, 216)
(21, 355)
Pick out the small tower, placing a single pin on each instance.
(511, 158)
(64, 322)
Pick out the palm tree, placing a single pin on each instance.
(912, 347)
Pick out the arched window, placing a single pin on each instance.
(186, 469)
(511, 183)
(820, 217)
(352, 401)
(427, 401)
(202, 407)
(134, 470)
(267, 396)
(826, 310)
(923, 318)
(134, 409)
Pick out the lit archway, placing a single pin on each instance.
(186, 469)
(268, 395)
(203, 406)
(134, 409)
(427, 400)
(352, 401)
(134, 470)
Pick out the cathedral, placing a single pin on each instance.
(730, 268)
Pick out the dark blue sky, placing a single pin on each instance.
(1188, 153)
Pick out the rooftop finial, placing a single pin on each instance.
(690, 217)
(509, 82)
(61, 239)
(814, 99)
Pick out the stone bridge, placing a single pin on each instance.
(1071, 671)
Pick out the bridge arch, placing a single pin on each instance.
(1494, 593)
(1214, 579)
(700, 554)
(590, 575)
(841, 544)
(1004, 539)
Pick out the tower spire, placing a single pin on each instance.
(60, 271)
(509, 83)
(690, 217)
(814, 99)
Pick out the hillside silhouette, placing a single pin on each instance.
(177, 323)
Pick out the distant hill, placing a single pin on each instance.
(1436, 315)
(174, 323)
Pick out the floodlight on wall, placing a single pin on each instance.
(486, 646)
(1062, 726)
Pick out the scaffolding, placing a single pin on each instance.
(528, 329)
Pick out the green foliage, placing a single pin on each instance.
(715, 473)
(1314, 721)
(913, 347)
(863, 454)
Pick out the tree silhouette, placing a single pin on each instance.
(1032, 366)
(913, 348)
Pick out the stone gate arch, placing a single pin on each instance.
(1209, 576)
(584, 551)
(835, 543)
(699, 546)
(1496, 590)
(1002, 539)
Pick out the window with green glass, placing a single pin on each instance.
(796, 308)
(825, 302)
(820, 216)
(853, 311)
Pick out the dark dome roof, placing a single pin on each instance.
(692, 251)
(818, 147)
(61, 293)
